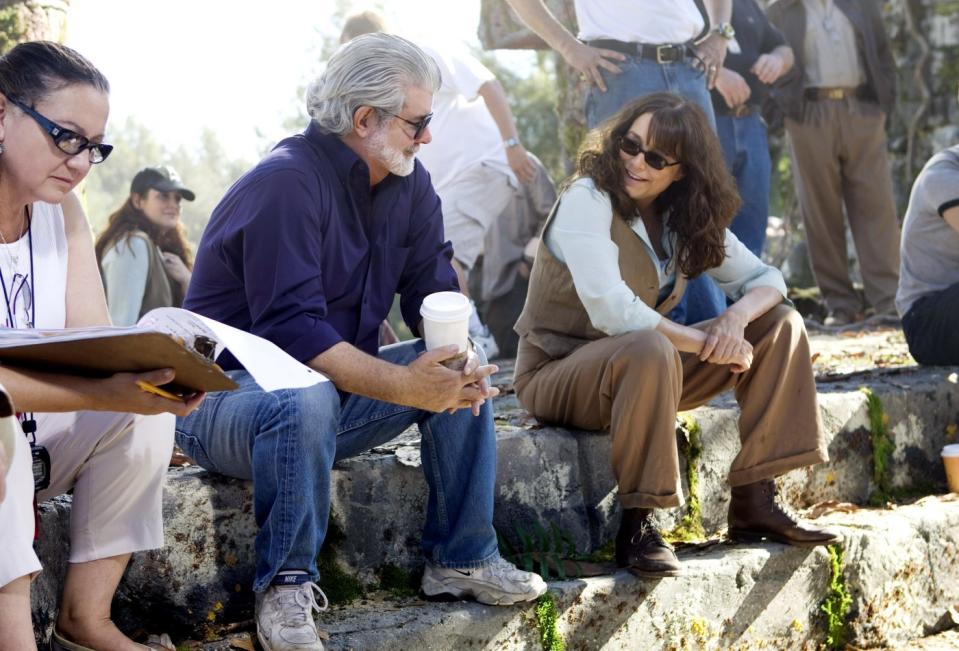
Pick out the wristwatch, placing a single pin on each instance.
(511, 142)
(725, 30)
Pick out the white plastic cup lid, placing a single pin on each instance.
(951, 450)
(445, 307)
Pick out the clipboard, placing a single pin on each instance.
(102, 352)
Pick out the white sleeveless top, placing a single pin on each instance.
(47, 284)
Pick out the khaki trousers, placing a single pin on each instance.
(636, 382)
(115, 464)
(839, 159)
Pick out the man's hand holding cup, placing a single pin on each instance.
(445, 325)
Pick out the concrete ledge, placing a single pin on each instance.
(545, 474)
(900, 566)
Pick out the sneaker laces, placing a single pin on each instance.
(296, 605)
(502, 568)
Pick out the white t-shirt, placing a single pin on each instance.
(930, 246)
(464, 133)
(639, 21)
(579, 236)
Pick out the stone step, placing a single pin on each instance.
(900, 571)
(546, 475)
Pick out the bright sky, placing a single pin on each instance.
(180, 65)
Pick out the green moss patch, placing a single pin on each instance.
(837, 603)
(546, 617)
(882, 448)
(690, 528)
(340, 586)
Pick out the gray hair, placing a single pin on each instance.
(371, 70)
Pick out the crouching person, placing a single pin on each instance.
(650, 207)
(307, 250)
(928, 296)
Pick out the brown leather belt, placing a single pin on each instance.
(667, 53)
(832, 93)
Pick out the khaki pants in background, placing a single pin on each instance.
(839, 159)
(635, 383)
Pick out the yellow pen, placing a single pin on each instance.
(149, 388)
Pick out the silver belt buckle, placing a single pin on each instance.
(660, 49)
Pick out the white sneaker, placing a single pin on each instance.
(284, 618)
(498, 584)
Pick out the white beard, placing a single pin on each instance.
(397, 161)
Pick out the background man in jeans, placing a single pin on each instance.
(758, 56)
(307, 250)
(627, 49)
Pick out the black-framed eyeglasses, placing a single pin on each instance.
(655, 160)
(69, 142)
(420, 125)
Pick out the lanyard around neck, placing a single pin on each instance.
(30, 281)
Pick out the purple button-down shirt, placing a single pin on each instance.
(301, 251)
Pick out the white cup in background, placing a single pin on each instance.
(950, 459)
(446, 317)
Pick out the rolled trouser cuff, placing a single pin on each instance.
(776, 467)
(650, 501)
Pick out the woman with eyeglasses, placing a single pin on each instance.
(648, 208)
(82, 432)
(144, 256)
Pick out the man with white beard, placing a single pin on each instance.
(307, 250)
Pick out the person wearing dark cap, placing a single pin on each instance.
(145, 258)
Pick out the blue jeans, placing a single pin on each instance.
(286, 441)
(641, 77)
(746, 150)
(703, 298)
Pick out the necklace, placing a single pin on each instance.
(13, 253)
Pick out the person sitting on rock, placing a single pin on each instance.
(144, 255)
(308, 250)
(928, 295)
(648, 208)
(53, 112)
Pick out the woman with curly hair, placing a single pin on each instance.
(144, 256)
(648, 208)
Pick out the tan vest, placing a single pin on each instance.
(555, 320)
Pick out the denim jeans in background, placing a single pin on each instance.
(746, 150)
(286, 441)
(641, 77)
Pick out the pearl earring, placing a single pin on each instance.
(1, 147)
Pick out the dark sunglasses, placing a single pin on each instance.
(420, 125)
(69, 142)
(632, 148)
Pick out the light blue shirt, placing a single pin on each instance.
(579, 236)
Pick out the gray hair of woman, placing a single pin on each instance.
(373, 70)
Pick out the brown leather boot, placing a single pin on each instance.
(641, 549)
(755, 513)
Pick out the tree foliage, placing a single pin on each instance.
(205, 169)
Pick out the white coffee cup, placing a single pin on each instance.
(446, 318)
(950, 459)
